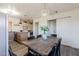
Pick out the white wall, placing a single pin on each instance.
(42, 22)
(3, 35)
(67, 28)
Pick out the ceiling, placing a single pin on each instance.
(33, 10)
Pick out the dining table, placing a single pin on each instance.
(41, 46)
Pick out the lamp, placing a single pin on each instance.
(45, 11)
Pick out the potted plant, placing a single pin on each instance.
(44, 29)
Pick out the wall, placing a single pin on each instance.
(66, 26)
(42, 22)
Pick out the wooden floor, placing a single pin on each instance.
(69, 51)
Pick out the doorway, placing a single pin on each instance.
(52, 27)
(37, 28)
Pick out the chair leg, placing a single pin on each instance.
(11, 53)
(59, 51)
(55, 51)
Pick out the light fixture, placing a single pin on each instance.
(9, 11)
(15, 12)
(45, 11)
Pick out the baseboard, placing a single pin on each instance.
(72, 46)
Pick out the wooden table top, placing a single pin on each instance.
(41, 46)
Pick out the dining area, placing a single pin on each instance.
(34, 46)
(40, 47)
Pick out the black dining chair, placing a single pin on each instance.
(54, 35)
(52, 53)
(31, 37)
(57, 48)
(39, 36)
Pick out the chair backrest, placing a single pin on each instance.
(54, 35)
(32, 37)
(38, 36)
(31, 33)
(57, 49)
(59, 42)
(52, 53)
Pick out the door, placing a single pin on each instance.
(2, 35)
(52, 26)
(37, 28)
